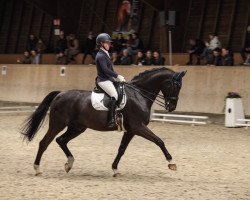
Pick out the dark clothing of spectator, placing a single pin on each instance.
(217, 61)
(228, 60)
(159, 61)
(147, 61)
(89, 48)
(61, 45)
(61, 60)
(139, 61)
(196, 50)
(118, 44)
(126, 60)
(31, 44)
(26, 60)
(117, 61)
(246, 48)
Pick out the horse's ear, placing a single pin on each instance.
(179, 75)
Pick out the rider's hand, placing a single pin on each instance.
(121, 78)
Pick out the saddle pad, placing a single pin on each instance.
(99, 99)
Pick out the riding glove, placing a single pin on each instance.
(121, 78)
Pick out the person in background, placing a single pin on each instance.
(89, 47)
(26, 58)
(126, 58)
(35, 58)
(148, 60)
(211, 45)
(115, 58)
(119, 43)
(40, 46)
(247, 61)
(227, 57)
(246, 49)
(196, 50)
(139, 58)
(216, 58)
(31, 44)
(133, 47)
(158, 59)
(61, 43)
(61, 59)
(73, 47)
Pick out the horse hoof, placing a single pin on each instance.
(67, 167)
(172, 167)
(117, 175)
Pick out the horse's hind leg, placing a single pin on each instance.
(63, 140)
(44, 143)
(127, 137)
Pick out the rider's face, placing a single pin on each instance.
(107, 45)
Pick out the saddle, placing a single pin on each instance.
(100, 99)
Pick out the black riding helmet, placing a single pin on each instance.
(101, 38)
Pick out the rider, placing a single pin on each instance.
(106, 74)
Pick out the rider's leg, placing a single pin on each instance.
(109, 88)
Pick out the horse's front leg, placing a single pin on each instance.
(127, 137)
(146, 133)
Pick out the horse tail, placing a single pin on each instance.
(34, 121)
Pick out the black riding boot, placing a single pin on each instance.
(111, 114)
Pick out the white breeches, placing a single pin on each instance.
(109, 88)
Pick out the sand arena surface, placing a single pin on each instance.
(213, 163)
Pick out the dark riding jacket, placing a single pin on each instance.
(104, 67)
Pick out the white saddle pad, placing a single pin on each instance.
(97, 100)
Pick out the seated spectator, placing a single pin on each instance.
(89, 47)
(246, 49)
(247, 61)
(158, 59)
(73, 47)
(216, 58)
(61, 59)
(26, 58)
(115, 58)
(31, 44)
(61, 43)
(119, 43)
(133, 47)
(40, 46)
(139, 58)
(126, 58)
(35, 58)
(227, 57)
(197, 48)
(148, 60)
(211, 45)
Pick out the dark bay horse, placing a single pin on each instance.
(73, 109)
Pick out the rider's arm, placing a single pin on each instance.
(105, 69)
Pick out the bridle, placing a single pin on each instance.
(167, 98)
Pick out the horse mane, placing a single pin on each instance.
(149, 72)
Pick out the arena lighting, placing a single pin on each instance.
(4, 70)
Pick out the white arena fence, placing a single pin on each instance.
(243, 122)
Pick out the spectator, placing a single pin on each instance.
(61, 43)
(26, 58)
(119, 43)
(211, 45)
(148, 60)
(139, 58)
(73, 47)
(227, 57)
(216, 58)
(126, 58)
(158, 59)
(89, 47)
(40, 46)
(133, 47)
(61, 59)
(197, 48)
(247, 61)
(35, 58)
(246, 49)
(115, 58)
(31, 44)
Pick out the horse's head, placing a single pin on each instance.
(171, 89)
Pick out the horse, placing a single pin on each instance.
(73, 109)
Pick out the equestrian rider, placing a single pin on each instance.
(106, 74)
